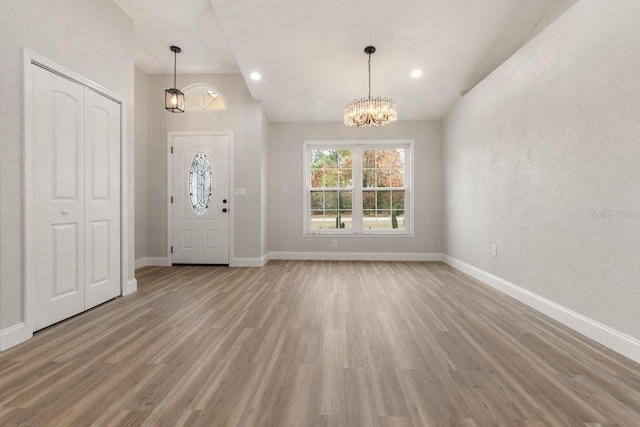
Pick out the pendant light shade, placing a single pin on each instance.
(174, 98)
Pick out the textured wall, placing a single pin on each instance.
(92, 38)
(285, 187)
(540, 149)
(244, 118)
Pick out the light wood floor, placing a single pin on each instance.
(315, 344)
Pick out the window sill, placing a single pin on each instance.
(351, 234)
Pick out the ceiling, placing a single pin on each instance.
(310, 52)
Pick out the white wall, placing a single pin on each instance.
(95, 40)
(244, 118)
(264, 250)
(551, 135)
(141, 164)
(286, 180)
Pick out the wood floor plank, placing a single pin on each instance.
(315, 343)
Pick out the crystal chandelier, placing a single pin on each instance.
(370, 112)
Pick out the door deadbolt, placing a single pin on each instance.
(224, 210)
(224, 200)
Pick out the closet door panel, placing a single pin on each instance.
(58, 194)
(102, 199)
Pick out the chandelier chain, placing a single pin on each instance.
(369, 75)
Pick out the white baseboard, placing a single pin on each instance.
(615, 340)
(13, 336)
(250, 262)
(234, 262)
(152, 261)
(356, 256)
(131, 287)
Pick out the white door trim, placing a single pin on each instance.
(170, 136)
(30, 57)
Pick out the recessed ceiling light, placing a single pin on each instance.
(416, 73)
(255, 76)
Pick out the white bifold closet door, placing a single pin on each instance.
(76, 198)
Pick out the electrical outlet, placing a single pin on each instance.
(334, 243)
(494, 250)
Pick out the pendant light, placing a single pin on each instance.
(370, 112)
(174, 98)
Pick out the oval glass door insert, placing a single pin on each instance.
(200, 183)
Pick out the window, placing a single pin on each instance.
(357, 187)
(203, 97)
(200, 183)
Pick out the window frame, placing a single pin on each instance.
(357, 147)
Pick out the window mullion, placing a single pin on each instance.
(356, 155)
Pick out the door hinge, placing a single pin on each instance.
(172, 150)
(171, 199)
(171, 249)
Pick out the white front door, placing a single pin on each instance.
(76, 198)
(201, 203)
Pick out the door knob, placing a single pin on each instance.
(224, 210)
(224, 200)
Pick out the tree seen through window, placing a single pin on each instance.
(370, 179)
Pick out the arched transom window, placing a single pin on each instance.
(203, 97)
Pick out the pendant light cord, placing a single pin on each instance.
(175, 56)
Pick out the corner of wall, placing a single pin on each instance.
(264, 185)
(13, 336)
